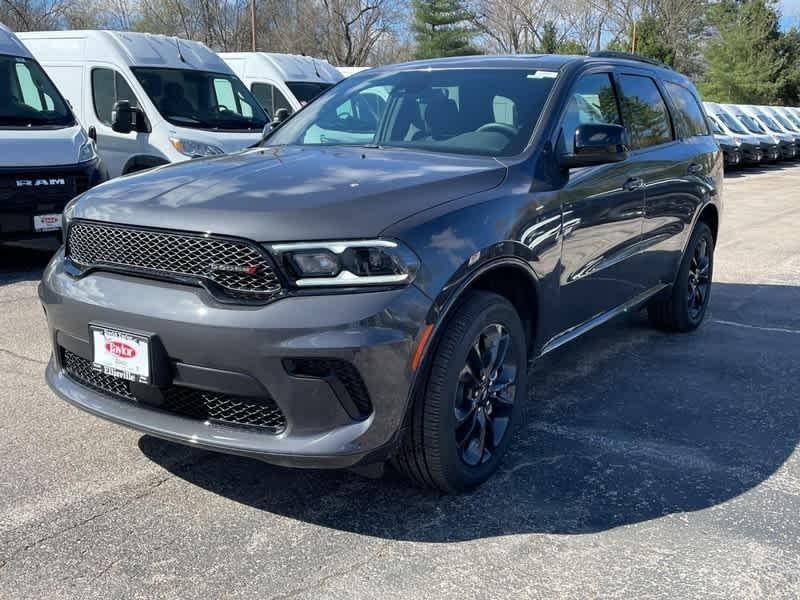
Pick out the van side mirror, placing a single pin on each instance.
(126, 118)
(280, 116)
(596, 144)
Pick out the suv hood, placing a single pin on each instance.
(41, 147)
(291, 193)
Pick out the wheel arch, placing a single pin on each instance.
(140, 162)
(710, 216)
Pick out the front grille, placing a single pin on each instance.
(186, 402)
(343, 371)
(235, 269)
(15, 193)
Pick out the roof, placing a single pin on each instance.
(132, 49)
(286, 67)
(554, 62)
(10, 43)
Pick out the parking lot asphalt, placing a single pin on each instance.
(649, 465)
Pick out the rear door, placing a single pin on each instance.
(602, 212)
(671, 168)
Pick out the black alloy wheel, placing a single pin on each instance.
(485, 395)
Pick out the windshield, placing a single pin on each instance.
(27, 96)
(787, 125)
(769, 122)
(730, 123)
(306, 91)
(793, 119)
(751, 123)
(483, 112)
(202, 100)
(715, 127)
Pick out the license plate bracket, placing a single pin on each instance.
(122, 353)
(50, 222)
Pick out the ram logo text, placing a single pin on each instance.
(39, 182)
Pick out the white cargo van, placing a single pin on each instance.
(787, 143)
(149, 99)
(46, 158)
(280, 81)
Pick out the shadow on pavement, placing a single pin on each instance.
(624, 426)
(742, 171)
(25, 262)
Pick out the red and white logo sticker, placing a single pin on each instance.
(120, 349)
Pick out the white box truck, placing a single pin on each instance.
(46, 158)
(149, 99)
(280, 81)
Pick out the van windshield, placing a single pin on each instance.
(481, 112)
(787, 125)
(202, 100)
(769, 122)
(731, 123)
(306, 91)
(27, 96)
(751, 123)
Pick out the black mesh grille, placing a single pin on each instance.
(184, 401)
(237, 269)
(345, 372)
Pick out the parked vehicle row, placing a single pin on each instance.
(79, 107)
(751, 135)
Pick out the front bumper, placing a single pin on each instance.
(751, 153)
(37, 196)
(243, 350)
(733, 156)
(788, 149)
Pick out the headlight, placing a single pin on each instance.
(738, 141)
(350, 263)
(194, 149)
(87, 152)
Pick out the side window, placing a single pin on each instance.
(644, 111)
(689, 114)
(270, 98)
(108, 88)
(592, 101)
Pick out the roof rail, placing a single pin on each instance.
(629, 56)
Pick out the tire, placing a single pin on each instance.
(437, 453)
(676, 311)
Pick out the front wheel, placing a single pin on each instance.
(462, 421)
(685, 307)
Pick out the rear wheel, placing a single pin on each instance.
(685, 307)
(462, 421)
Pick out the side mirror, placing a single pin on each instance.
(122, 117)
(280, 116)
(92, 133)
(126, 118)
(597, 144)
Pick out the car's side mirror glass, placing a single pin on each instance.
(596, 144)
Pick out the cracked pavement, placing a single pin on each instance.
(649, 466)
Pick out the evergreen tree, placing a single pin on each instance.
(746, 63)
(441, 29)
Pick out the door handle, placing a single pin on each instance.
(634, 183)
(694, 169)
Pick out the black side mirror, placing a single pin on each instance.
(280, 116)
(597, 144)
(126, 118)
(92, 133)
(122, 117)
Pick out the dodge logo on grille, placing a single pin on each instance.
(39, 182)
(244, 270)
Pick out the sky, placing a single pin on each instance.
(790, 9)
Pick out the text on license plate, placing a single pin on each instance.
(121, 354)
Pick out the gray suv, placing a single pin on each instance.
(371, 282)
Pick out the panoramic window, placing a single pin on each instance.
(489, 112)
(592, 101)
(689, 114)
(27, 96)
(201, 100)
(645, 112)
(108, 88)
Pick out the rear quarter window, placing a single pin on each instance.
(644, 112)
(689, 117)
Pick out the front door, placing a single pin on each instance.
(602, 213)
